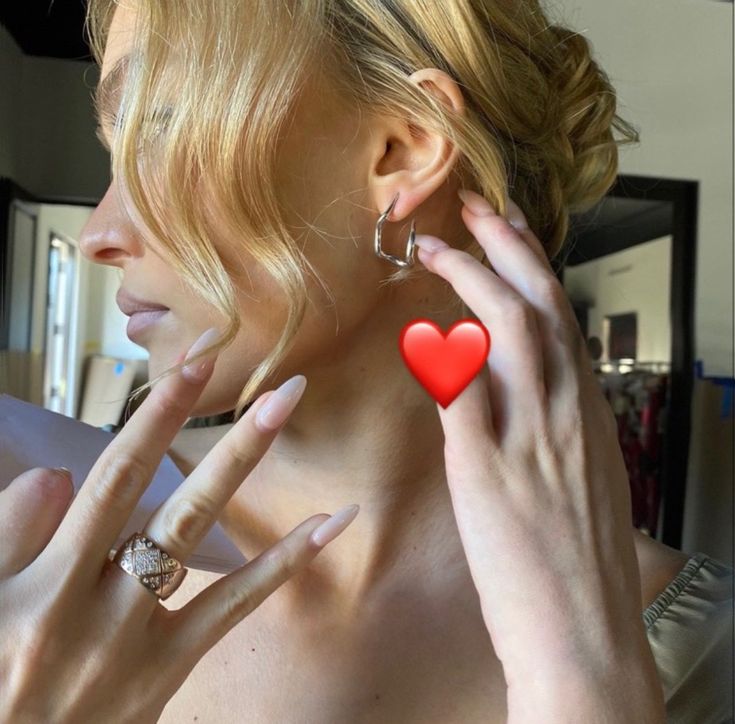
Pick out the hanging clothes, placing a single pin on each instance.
(638, 398)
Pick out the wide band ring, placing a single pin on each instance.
(159, 572)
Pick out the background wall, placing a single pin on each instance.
(634, 280)
(671, 64)
(11, 75)
(47, 140)
(48, 146)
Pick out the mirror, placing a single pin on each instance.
(628, 270)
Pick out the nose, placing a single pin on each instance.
(109, 237)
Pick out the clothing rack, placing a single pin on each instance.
(625, 366)
(638, 393)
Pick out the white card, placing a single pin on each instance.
(31, 436)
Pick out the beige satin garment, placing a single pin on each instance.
(690, 629)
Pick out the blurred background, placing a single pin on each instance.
(649, 271)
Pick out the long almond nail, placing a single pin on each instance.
(200, 369)
(477, 204)
(516, 218)
(432, 244)
(280, 404)
(332, 527)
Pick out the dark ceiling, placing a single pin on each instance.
(51, 28)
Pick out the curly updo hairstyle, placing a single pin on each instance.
(539, 122)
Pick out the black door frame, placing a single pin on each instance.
(9, 191)
(684, 198)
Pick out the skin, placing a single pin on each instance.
(364, 431)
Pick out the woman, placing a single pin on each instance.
(492, 573)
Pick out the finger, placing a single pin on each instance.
(576, 339)
(564, 349)
(183, 520)
(467, 422)
(219, 607)
(31, 508)
(517, 219)
(125, 468)
(580, 351)
(517, 383)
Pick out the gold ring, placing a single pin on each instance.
(159, 572)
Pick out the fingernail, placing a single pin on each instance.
(332, 527)
(281, 403)
(516, 217)
(430, 243)
(477, 204)
(200, 369)
(54, 482)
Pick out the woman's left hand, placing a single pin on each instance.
(540, 489)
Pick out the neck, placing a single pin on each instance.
(364, 432)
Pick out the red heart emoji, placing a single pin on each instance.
(444, 364)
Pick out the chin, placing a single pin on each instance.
(209, 405)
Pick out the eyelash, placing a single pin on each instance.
(163, 113)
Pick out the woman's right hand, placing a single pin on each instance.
(80, 639)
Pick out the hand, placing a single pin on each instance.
(538, 482)
(80, 639)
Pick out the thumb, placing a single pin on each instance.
(31, 509)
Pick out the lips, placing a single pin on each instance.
(130, 305)
(140, 321)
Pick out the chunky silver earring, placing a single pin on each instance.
(408, 261)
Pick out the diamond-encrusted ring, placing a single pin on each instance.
(159, 572)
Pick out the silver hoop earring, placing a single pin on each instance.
(409, 260)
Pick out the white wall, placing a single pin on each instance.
(671, 64)
(633, 280)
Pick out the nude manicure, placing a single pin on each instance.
(332, 527)
(515, 216)
(281, 403)
(477, 204)
(199, 371)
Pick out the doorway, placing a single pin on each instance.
(43, 321)
(629, 270)
(61, 330)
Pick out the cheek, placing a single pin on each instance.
(326, 328)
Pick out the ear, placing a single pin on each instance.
(410, 160)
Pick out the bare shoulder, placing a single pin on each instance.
(658, 563)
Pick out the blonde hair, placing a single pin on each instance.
(538, 122)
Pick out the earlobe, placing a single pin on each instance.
(406, 202)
